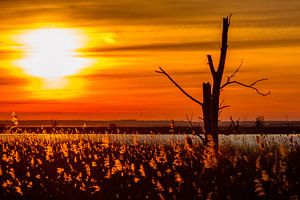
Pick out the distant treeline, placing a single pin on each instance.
(135, 123)
(151, 130)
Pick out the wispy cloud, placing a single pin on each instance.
(196, 46)
(280, 13)
(12, 81)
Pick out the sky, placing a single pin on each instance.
(120, 44)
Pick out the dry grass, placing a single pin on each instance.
(108, 166)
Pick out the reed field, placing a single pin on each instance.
(133, 166)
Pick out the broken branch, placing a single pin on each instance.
(180, 88)
(211, 65)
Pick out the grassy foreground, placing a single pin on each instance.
(102, 167)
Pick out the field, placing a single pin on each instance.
(132, 166)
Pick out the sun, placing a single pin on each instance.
(50, 53)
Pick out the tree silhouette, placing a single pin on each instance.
(259, 121)
(211, 93)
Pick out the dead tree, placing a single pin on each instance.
(211, 92)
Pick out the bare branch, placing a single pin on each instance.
(237, 125)
(191, 124)
(190, 120)
(220, 112)
(229, 81)
(248, 86)
(222, 106)
(232, 76)
(259, 80)
(232, 122)
(235, 72)
(180, 88)
(225, 106)
(211, 65)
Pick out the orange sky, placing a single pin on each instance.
(126, 41)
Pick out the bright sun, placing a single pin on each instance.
(50, 53)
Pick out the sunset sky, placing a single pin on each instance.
(75, 59)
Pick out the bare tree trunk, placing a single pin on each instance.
(211, 99)
(207, 110)
(217, 80)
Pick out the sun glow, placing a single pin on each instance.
(50, 54)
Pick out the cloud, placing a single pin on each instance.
(155, 47)
(156, 12)
(116, 74)
(196, 46)
(12, 81)
(8, 53)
